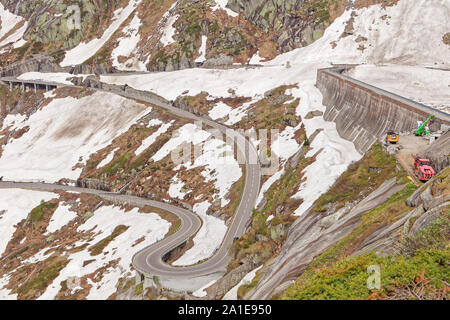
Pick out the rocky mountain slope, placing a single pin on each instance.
(105, 36)
(249, 65)
(411, 250)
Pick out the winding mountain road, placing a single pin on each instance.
(149, 260)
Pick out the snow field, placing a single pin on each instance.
(103, 223)
(64, 133)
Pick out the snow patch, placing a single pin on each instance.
(65, 133)
(84, 50)
(200, 293)
(8, 22)
(108, 159)
(169, 31)
(49, 94)
(147, 142)
(285, 146)
(202, 57)
(154, 123)
(5, 294)
(219, 111)
(221, 5)
(17, 204)
(207, 240)
(175, 189)
(266, 185)
(189, 133)
(331, 162)
(62, 216)
(256, 59)
(14, 121)
(127, 47)
(232, 294)
(59, 77)
(238, 114)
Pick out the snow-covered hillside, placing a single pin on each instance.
(121, 142)
(64, 134)
(94, 248)
(61, 138)
(377, 34)
(338, 153)
(424, 46)
(104, 221)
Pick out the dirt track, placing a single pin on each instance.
(411, 145)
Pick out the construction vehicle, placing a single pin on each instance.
(423, 169)
(422, 130)
(392, 137)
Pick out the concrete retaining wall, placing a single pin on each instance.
(364, 113)
(27, 85)
(176, 284)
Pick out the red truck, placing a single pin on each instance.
(423, 169)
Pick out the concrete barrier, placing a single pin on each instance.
(364, 113)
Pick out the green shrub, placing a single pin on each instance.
(38, 213)
(40, 280)
(347, 279)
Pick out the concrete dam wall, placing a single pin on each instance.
(364, 113)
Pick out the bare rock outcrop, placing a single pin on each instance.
(386, 240)
(439, 152)
(37, 63)
(312, 234)
(94, 184)
(231, 279)
(294, 22)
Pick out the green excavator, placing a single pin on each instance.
(422, 130)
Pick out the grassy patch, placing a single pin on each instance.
(361, 178)
(244, 289)
(139, 289)
(38, 213)
(441, 185)
(125, 284)
(117, 164)
(97, 248)
(347, 279)
(434, 236)
(40, 279)
(274, 110)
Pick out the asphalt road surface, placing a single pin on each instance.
(149, 260)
